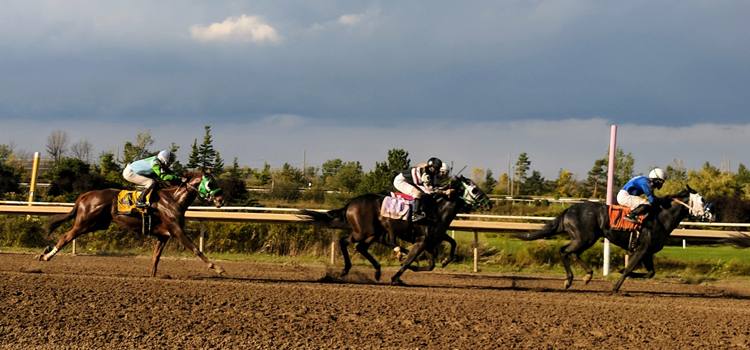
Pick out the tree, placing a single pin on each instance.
(347, 178)
(489, 183)
(206, 151)
(72, 176)
(133, 151)
(597, 178)
(57, 144)
(566, 185)
(218, 164)
(330, 168)
(82, 150)
(535, 184)
(264, 177)
(624, 169)
(193, 158)
(10, 177)
(522, 167)
(109, 169)
(233, 185)
(398, 160)
(503, 184)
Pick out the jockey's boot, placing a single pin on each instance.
(417, 212)
(141, 202)
(633, 215)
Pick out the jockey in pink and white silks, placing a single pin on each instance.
(631, 194)
(144, 172)
(418, 181)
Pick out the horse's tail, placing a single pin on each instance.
(57, 220)
(550, 229)
(739, 239)
(335, 218)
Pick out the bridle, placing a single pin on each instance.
(690, 205)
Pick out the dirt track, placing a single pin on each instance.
(91, 302)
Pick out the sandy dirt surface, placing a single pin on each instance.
(109, 302)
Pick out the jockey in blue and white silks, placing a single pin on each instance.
(144, 172)
(631, 194)
(417, 181)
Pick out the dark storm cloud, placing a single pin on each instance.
(666, 63)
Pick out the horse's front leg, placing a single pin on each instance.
(179, 233)
(418, 248)
(161, 242)
(635, 259)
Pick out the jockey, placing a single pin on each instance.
(419, 180)
(630, 194)
(144, 172)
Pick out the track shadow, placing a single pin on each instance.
(513, 286)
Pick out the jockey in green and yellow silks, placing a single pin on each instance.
(146, 171)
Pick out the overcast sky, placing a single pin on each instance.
(469, 81)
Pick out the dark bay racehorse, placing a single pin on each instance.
(96, 210)
(587, 222)
(361, 217)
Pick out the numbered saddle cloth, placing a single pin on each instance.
(617, 220)
(396, 206)
(126, 201)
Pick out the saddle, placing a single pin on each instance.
(126, 201)
(617, 220)
(397, 206)
(126, 205)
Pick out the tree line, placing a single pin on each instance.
(70, 170)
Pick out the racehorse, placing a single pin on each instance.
(361, 217)
(588, 221)
(96, 210)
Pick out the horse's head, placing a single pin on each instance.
(207, 187)
(695, 204)
(470, 193)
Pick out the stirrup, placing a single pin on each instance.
(141, 205)
(416, 217)
(631, 219)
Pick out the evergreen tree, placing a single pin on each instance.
(218, 164)
(566, 185)
(522, 167)
(206, 151)
(193, 159)
(264, 177)
(535, 184)
(596, 183)
(233, 185)
(489, 183)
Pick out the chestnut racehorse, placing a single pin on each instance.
(96, 210)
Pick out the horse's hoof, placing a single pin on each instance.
(568, 283)
(40, 257)
(344, 272)
(398, 282)
(587, 278)
(377, 275)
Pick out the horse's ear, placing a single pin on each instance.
(690, 189)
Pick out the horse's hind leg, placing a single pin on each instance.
(574, 248)
(362, 249)
(585, 266)
(68, 237)
(452, 255)
(418, 248)
(343, 246)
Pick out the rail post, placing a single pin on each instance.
(32, 183)
(201, 236)
(610, 188)
(476, 251)
(333, 247)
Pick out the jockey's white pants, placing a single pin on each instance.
(140, 180)
(404, 187)
(629, 200)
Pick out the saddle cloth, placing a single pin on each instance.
(396, 206)
(126, 202)
(617, 220)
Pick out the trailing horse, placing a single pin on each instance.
(361, 216)
(96, 210)
(587, 222)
